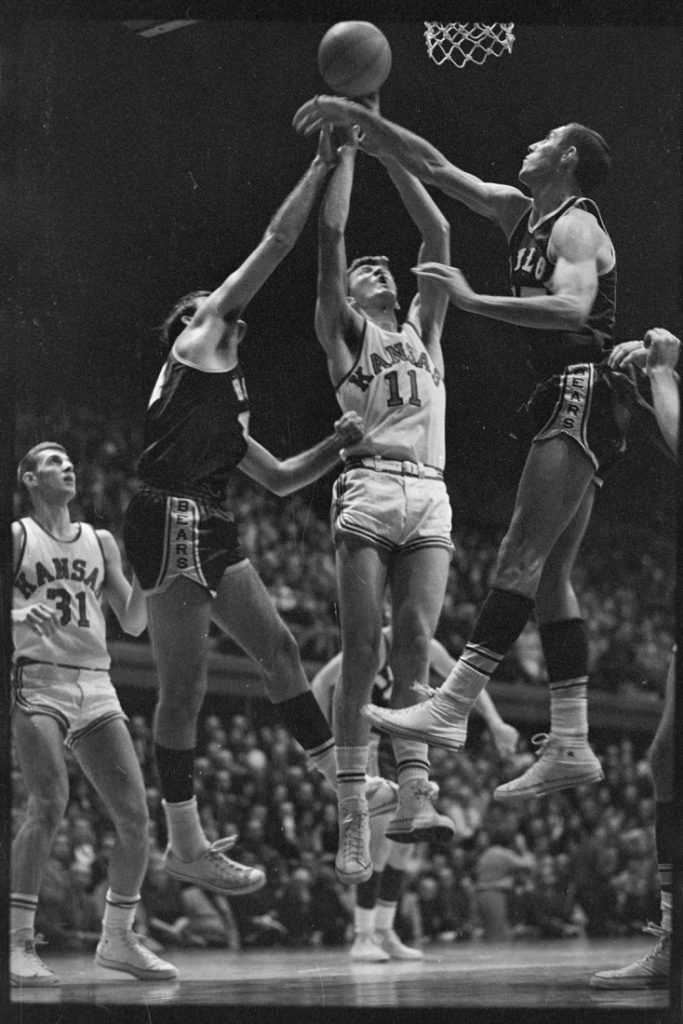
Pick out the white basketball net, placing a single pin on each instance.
(460, 43)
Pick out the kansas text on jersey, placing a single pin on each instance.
(396, 389)
(69, 576)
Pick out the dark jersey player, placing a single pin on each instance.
(563, 283)
(184, 544)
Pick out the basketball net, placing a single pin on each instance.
(460, 43)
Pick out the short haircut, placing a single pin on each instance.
(30, 460)
(594, 158)
(173, 324)
(364, 261)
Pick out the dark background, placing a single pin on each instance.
(149, 167)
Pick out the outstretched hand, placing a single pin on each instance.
(505, 739)
(627, 353)
(324, 110)
(450, 279)
(349, 429)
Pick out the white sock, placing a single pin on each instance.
(463, 685)
(351, 765)
(569, 707)
(412, 760)
(119, 912)
(385, 916)
(363, 920)
(185, 833)
(325, 760)
(22, 912)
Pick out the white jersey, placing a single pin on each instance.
(400, 394)
(69, 575)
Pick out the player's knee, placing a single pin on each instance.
(47, 808)
(362, 660)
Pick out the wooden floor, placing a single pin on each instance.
(497, 978)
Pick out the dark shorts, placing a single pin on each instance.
(167, 536)
(583, 403)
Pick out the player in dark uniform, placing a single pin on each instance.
(658, 356)
(562, 266)
(183, 541)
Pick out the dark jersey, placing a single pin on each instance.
(192, 434)
(531, 268)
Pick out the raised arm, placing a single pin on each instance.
(430, 304)
(338, 327)
(127, 602)
(501, 203)
(284, 477)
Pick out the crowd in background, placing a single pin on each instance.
(625, 581)
(580, 862)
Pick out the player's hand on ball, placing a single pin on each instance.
(349, 429)
(662, 348)
(449, 278)
(322, 110)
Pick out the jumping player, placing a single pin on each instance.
(391, 514)
(658, 354)
(183, 542)
(377, 899)
(63, 697)
(563, 275)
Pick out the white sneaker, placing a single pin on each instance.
(437, 721)
(562, 764)
(25, 966)
(366, 948)
(213, 870)
(650, 971)
(123, 951)
(416, 818)
(389, 941)
(352, 863)
(381, 795)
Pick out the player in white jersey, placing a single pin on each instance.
(374, 912)
(63, 696)
(391, 514)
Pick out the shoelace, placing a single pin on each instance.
(661, 934)
(424, 689)
(32, 956)
(353, 837)
(540, 741)
(216, 852)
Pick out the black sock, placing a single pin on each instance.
(366, 892)
(391, 884)
(304, 718)
(565, 649)
(176, 773)
(503, 616)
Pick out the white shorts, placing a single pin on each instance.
(80, 700)
(394, 510)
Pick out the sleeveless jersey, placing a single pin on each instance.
(400, 394)
(68, 575)
(192, 434)
(531, 268)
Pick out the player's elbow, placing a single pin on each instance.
(330, 230)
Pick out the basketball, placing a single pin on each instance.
(354, 58)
